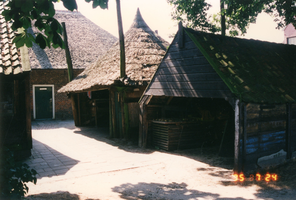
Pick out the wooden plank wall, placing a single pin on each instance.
(266, 130)
(185, 72)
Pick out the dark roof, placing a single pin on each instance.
(254, 71)
(87, 42)
(12, 59)
(144, 50)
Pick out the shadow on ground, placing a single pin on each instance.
(283, 188)
(55, 196)
(163, 191)
(48, 162)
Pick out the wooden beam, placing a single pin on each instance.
(244, 132)
(113, 116)
(169, 100)
(74, 109)
(288, 132)
(68, 55)
(141, 124)
(121, 103)
(28, 111)
(181, 36)
(121, 40)
(78, 109)
(236, 136)
(145, 127)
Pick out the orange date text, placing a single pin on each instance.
(255, 177)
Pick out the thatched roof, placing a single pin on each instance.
(12, 59)
(87, 42)
(144, 50)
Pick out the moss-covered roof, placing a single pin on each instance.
(255, 71)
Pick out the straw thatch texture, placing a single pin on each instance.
(87, 42)
(144, 50)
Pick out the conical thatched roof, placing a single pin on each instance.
(144, 51)
(87, 42)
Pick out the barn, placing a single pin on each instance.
(86, 41)
(235, 93)
(100, 97)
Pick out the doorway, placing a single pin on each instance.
(43, 102)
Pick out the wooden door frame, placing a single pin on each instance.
(53, 99)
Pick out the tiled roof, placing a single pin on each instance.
(255, 71)
(10, 59)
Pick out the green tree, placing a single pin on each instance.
(40, 13)
(238, 14)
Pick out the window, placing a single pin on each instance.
(291, 40)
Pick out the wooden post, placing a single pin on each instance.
(68, 56)
(288, 132)
(28, 111)
(113, 114)
(79, 111)
(121, 40)
(141, 124)
(236, 137)
(244, 132)
(181, 36)
(74, 109)
(121, 99)
(223, 25)
(145, 127)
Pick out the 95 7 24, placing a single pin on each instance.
(267, 177)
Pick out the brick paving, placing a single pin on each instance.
(62, 151)
(83, 163)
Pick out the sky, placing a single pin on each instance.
(157, 15)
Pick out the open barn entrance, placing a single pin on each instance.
(182, 123)
(101, 107)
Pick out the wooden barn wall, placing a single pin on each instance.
(15, 126)
(85, 108)
(266, 130)
(185, 72)
(153, 112)
(132, 97)
(293, 129)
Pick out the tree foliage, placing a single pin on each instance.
(40, 13)
(238, 13)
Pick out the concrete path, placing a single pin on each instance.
(82, 163)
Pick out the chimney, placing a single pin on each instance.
(156, 31)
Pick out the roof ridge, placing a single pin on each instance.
(139, 21)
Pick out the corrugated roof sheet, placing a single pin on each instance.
(144, 50)
(10, 60)
(255, 71)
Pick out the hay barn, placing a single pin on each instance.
(87, 42)
(102, 98)
(15, 112)
(235, 93)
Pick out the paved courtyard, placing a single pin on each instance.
(83, 163)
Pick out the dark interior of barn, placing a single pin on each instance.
(101, 100)
(198, 123)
